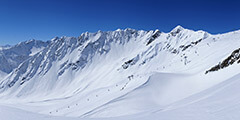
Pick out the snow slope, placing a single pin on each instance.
(2, 75)
(126, 74)
(217, 103)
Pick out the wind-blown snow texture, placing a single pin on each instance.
(123, 74)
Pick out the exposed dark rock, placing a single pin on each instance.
(184, 47)
(196, 42)
(174, 33)
(23, 80)
(130, 62)
(174, 51)
(154, 36)
(235, 56)
(126, 64)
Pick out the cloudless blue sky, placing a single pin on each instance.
(21, 20)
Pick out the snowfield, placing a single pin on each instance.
(125, 75)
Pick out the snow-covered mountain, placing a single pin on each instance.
(12, 56)
(133, 73)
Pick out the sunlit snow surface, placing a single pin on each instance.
(126, 74)
(35, 50)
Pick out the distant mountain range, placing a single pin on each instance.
(124, 74)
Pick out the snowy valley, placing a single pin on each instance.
(123, 75)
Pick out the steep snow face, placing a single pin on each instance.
(12, 56)
(2, 75)
(35, 50)
(105, 74)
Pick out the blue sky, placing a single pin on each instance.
(21, 20)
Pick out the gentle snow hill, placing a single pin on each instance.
(217, 103)
(127, 74)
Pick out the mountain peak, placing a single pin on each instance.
(177, 28)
